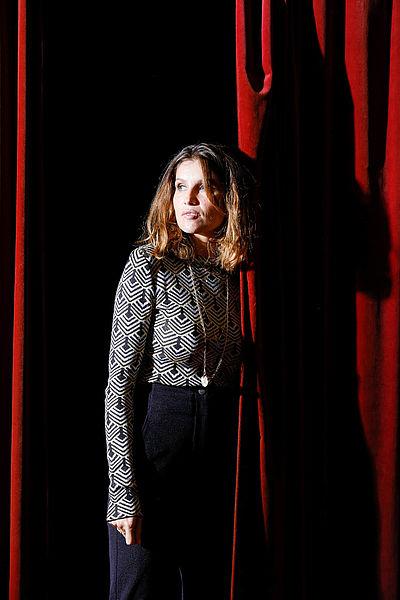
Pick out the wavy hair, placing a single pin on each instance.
(232, 243)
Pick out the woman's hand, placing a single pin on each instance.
(130, 528)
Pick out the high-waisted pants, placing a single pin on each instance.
(185, 456)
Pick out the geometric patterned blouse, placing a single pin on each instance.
(157, 336)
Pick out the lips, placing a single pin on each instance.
(192, 214)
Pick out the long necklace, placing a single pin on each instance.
(205, 379)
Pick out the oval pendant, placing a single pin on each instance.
(204, 380)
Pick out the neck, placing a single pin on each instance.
(200, 245)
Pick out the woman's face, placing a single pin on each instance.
(194, 212)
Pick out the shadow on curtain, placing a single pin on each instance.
(318, 107)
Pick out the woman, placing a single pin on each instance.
(172, 391)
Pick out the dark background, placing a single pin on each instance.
(124, 89)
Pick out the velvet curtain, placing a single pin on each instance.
(317, 487)
(318, 87)
(23, 407)
(13, 196)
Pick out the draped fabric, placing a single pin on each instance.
(23, 435)
(19, 317)
(14, 349)
(249, 557)
(318, 88)
(319, 108)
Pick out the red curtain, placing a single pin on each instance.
(23, 429)
(18, 332)
(16, 344)
(318, 88)
(317, 487)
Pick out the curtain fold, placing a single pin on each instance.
(23, 474)
(19, 319)
(319, 110)
(8, 53)
(249, 561)
(318, 88)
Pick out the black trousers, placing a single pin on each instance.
(185, 465)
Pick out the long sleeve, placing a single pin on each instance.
(132, 315)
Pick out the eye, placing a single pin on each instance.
(179, 186)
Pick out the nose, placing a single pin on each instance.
(191, 196)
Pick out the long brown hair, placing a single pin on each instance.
(231, 243)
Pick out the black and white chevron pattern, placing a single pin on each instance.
(157, 336)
